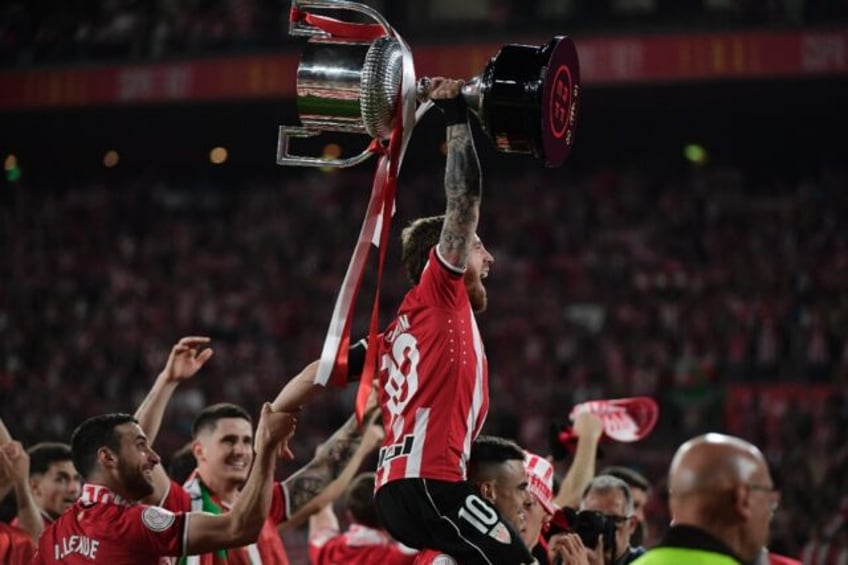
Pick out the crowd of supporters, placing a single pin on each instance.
(712, 292)
(51, 32)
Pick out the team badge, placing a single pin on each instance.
(501, 533)
(157, 519)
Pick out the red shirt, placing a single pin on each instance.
(101, 527)
(359, 545)
(268, 549)
(16, 547)
(433, 380)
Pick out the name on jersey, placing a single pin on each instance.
(81, 545)
(401, 327)
(396, 450)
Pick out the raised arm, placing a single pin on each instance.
(588, 428)
(186, 358)
(330, 460)
(14, 467)
(302, 388)
(5, 437)
(299, 390)
(241, 526)
(315, 509)
(463, 187)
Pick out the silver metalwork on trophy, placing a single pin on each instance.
(380, 86)
(526, 98)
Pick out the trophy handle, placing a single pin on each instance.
(285, 158)
(303, 29)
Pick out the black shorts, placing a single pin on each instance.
(451, 518)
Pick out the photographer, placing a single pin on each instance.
(606, 522)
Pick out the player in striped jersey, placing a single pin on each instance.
(433, 374)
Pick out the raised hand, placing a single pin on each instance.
(373, 436)
(274, 431)
(186, 358)
(445, 88)
(588, 426)
(596, 556)
(14, 462)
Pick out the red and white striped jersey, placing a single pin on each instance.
(434, 389)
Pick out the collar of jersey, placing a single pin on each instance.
(99, 494)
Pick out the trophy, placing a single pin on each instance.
(359, 78)
(526, 99)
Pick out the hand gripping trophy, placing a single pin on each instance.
(360, 78)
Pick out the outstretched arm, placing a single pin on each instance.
(315, 509)
(186, 358)
(463, 187)
(14, 467)
(588, 428)
(329, 462)
(299, 390)
(241, 526)
(5, 437)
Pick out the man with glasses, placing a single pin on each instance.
(611, 497)
(722, 498)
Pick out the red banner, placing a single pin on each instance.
(607, 61)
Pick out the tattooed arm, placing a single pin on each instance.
(331, 458)
(370, 439)
(463, 187)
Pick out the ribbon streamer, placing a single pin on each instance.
(333, 365)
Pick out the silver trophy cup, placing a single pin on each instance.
(526, 98)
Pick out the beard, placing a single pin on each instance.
(478, 297)
(135, 483)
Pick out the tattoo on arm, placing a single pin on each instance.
(463, 190)
(331, 459)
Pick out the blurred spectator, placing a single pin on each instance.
(54, 31)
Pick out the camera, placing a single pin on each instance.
(588, 524)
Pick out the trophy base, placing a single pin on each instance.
(529, 97)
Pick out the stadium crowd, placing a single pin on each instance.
(51, 32)
(708, 290)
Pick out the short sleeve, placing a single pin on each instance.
(441, 284)
(153, 530)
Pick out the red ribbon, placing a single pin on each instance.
(380, 204)
(390, 160)
(348, 30)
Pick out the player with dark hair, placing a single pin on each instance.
(53, 479)
(222, 448)
(108, 525)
